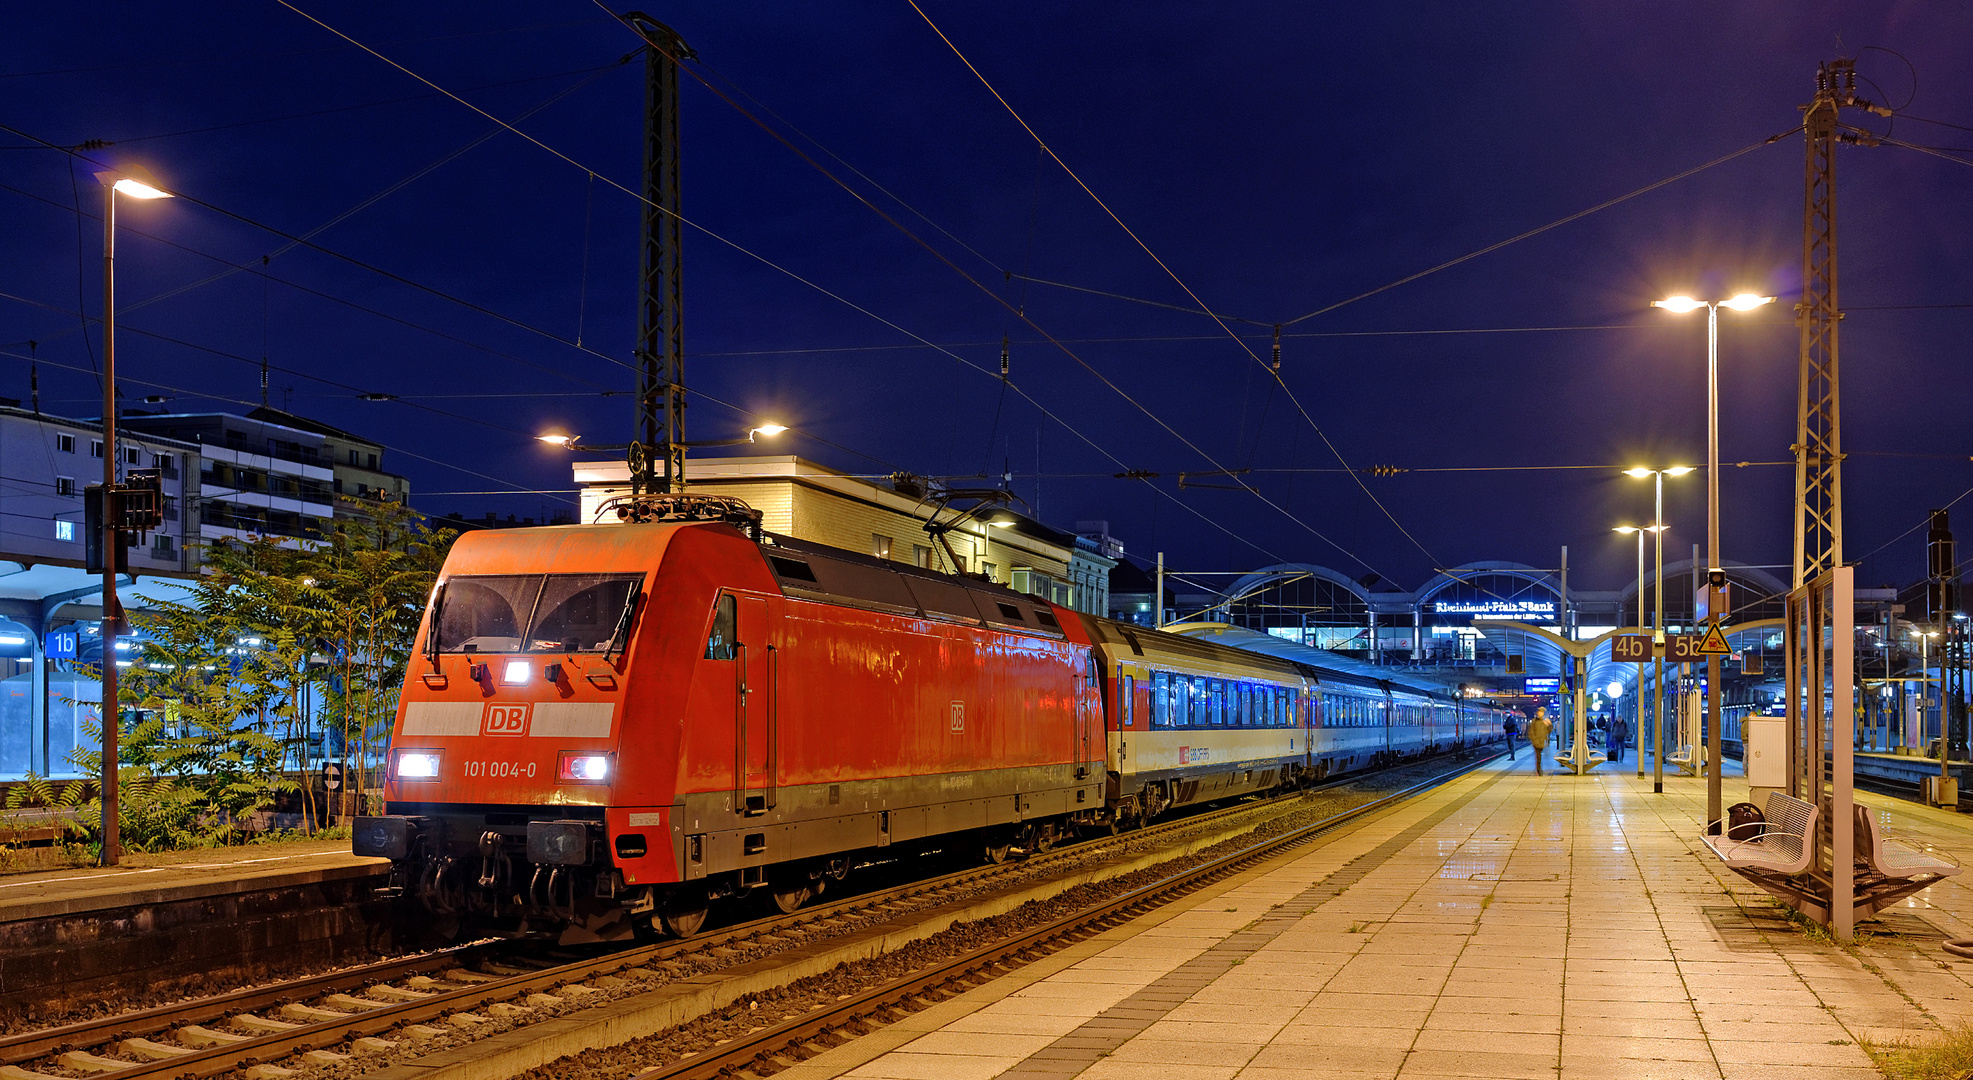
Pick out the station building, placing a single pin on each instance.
(267, 474)
(887, 520)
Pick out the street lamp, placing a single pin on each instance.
(1637, 707)
(1680, 305)
(1658, 624)
(136, 183)
(638, 451)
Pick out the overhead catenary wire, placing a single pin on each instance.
(251, 404)
(1146, 248)
(711, 234)
(351, 260)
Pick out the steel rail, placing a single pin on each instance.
(780, 1041)
(27, 1046)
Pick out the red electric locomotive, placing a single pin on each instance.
(609, 726)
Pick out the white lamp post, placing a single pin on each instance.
(1658, 625)
(1680, 305)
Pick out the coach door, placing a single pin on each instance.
(756, 730)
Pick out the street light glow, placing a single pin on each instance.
(555, 439)
(1747, 301)
(1640, 472)
(137, 189)
(1678, 304)
(769, 429)
(1678, 470)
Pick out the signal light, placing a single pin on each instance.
(417, 765)
(583, 768)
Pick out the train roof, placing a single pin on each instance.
(813, 571)
(1325, 663)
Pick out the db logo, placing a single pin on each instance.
(506, 719)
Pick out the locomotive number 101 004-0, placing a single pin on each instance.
(500, 768)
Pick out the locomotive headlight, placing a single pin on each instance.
(516, 673)
(417, 765)
(584, 768)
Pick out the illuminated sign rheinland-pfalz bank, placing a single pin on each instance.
(1520, 610)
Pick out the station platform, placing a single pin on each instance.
(148, 880)
(1505, 925)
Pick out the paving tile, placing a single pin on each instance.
(905, 1066)
(1504, 1066)
(1181, 1052)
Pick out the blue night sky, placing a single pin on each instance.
(1279, 159)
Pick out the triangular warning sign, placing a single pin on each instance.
(1714, 643)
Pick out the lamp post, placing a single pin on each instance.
(137, 184)
(1658, 624)
(1925, 676)
(1637, 706)
(1680, 305)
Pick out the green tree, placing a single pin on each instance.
(376, 567)
(221, 688)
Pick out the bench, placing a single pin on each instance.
(1780, 859)
(1890, 869)
(1782, 847)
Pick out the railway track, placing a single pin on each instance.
(387, 1010)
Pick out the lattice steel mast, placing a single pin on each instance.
(1818, 428)
(657, 452)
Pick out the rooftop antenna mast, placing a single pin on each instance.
(660, 424)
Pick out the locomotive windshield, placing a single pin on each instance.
(509, 613)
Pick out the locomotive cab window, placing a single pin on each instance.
(508, 613)
(580, 612)
(725, 628)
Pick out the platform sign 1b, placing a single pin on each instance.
(62, 644)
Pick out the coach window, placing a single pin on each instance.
(1215, 703)
(725, 617)
(1129, 695)
(1197, 687)
(1160, 705)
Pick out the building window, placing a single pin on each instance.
(352, 458)
(362, 491)
(373, 461)
(132, 456)
(161, 462)
(989, 571)
(921, 556)
(65, 530)
(880, 545)
(338, 484)
(95, 448)
(161, 547)
(65, 443)
(65, 485)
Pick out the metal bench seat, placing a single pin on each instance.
(1782, 847)
(1890, 869)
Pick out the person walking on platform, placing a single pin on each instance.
(1509, 727)
(1619, 736)
(1538, 736)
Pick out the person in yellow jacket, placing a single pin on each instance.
(1538, 730)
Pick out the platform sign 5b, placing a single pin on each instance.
(1636, 648)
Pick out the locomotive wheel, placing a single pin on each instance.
(683, 913)
(997, 850)
(788, 897)
(1044, 839)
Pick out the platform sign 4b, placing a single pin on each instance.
(1630, 648)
